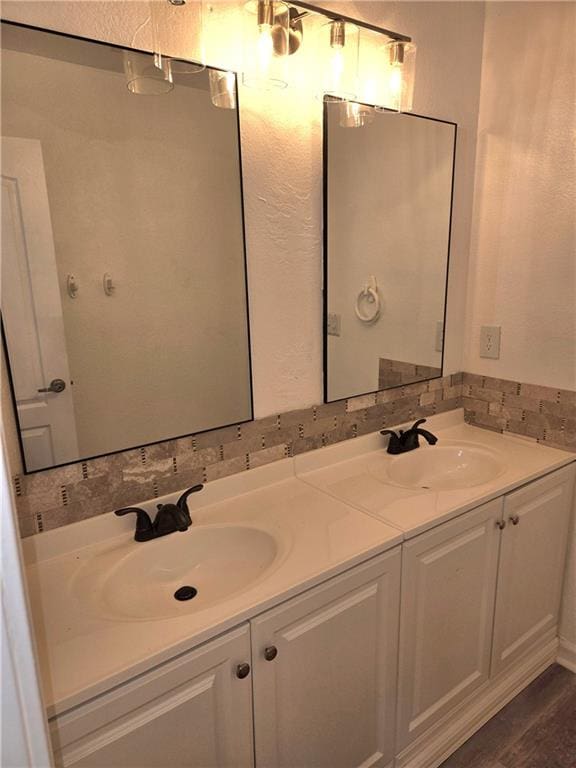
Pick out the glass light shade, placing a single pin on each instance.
(355, 115)
(223, 88)
(177, 33)
(265, 36)
(147, 74)
(397, 91)
(339, 43)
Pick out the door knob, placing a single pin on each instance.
(56, 385)
(270, 653)
(501, 524)
(514, 519)
(242, 670)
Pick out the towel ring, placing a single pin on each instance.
(369, 294)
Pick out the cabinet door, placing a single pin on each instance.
(191, 713)
(531, 570)
(448, 593)
(327, 698)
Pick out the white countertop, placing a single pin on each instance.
(83, 653)
(315, 508)
(355, 472)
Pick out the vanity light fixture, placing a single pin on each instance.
(339, 45)
(355, 115)
(266, 42)
(223, 88)
(398, 76)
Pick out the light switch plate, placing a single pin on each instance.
(490, 341)
(333, 324)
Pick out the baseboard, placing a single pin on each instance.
(445, 736)
(567, 654)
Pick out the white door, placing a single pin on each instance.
(195, 712)
(448, 593)
(32, 309)
(532, 559)
(325, 673)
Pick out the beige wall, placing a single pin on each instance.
(523, 256)
(523, 268)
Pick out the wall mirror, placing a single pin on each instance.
(123, 292)
(387, 208)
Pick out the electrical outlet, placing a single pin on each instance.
(333, 324)
(439, 336)
(490, 341)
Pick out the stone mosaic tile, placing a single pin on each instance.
(394, 373)
(64, 495)
(545, 414)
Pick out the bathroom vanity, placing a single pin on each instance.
(373, 621)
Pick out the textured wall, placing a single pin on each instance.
(281, 134)
(523, 269)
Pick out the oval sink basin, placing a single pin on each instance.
(446, 467)
(216, 561)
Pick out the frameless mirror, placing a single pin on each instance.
(123, 273)
(387, 207)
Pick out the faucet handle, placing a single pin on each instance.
(143, 522)
(394, 443)
(182, 502)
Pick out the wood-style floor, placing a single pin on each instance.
(536, 730)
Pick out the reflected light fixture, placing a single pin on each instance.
(147, 74)
(398, 74)
(355, 115)
(266, 25)
(339, 45)
(223, 88)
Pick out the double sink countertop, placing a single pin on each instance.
(103, 604)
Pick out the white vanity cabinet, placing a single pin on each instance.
(326, 696)
(325, 673)
(532, 556)
(194, 712)
(479, 594)
(448, 588)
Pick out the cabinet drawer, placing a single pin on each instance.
(192, 712)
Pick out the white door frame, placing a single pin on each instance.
(24, 739)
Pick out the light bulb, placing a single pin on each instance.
(337, 66)
(395, 86)
(265, 47)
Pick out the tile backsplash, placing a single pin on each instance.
(63, 495)
(396, 373)
(545, 414)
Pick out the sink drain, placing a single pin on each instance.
(185, 593)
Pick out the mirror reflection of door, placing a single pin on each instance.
(32, 309)
(136, 193)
